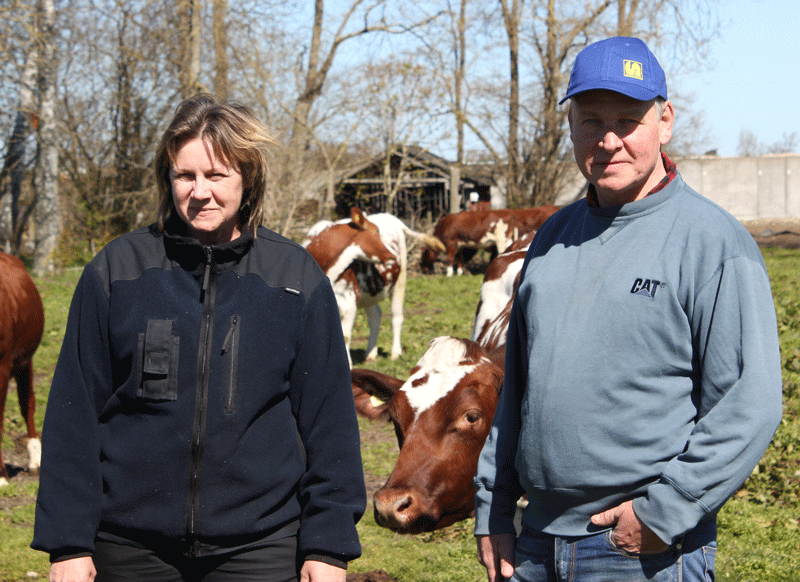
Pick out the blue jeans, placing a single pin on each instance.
(541, 557)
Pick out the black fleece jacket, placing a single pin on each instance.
(202, 395)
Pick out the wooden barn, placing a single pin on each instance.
(413, 184)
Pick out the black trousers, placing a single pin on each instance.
(273, 561)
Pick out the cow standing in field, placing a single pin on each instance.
(442, 414)
(21, 326)
(366, 259)
(464, 233)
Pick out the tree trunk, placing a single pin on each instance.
(458, 81)
(47, 216)
(220, 50)
(190, 17)
(13, 169)
(511, 16)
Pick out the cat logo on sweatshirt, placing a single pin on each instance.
(646, 287)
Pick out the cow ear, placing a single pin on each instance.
(372, 392)
(357, 217)
(370, 406)
(498, 385)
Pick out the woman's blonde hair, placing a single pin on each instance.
(236, 137)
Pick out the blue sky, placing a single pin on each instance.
(754, 80)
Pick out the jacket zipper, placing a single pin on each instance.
(231, 347)
(208, 296)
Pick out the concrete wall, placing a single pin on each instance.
(748, 188)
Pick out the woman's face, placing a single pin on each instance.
(207, 193)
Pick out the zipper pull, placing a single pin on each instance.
(229, 336)
(206, 273)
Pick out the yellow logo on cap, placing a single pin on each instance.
(632, 69)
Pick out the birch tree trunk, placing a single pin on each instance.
(47, 216)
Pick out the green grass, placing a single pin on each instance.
(759, 529)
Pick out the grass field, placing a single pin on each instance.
(759, 528)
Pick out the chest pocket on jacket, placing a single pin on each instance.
(230, 351)
(158, 361)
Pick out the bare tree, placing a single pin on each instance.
(511, 18)
(13, 171)
(751, 146)
(316, 68)
(47, 215)
(398, 99)
(784, 146)
(220, 49)
(559, 31)
(191, 33)
(546, 157)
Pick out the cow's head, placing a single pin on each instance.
(338, 245)
(442, 415)
(428, 258)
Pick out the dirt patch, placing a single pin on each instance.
(374, 576)
(782, 233)
(16, 461)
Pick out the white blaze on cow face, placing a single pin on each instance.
(438, 372)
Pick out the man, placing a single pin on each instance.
(643, 378)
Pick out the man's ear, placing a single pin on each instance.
(666, 122)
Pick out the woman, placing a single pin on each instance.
(200, 424)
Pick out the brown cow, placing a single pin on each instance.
(21, 326)
(464, 233)
(442, 415)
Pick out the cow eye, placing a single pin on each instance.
(472, 416)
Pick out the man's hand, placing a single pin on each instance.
(74, 570)
(313, 571)
(496, 554)
(629, 533)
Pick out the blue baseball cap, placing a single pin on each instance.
(622, 64)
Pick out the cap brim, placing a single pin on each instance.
(633, 91)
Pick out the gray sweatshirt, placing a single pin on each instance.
(642, 363)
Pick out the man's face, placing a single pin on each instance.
(617, 142)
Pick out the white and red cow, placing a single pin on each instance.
(21, 325)
(464, 233)
(497, 294)
(442, 415)
(366, 259)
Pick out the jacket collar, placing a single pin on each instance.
(187, 251)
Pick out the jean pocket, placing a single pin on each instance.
(709, 560)
(642, 556)
(158, 361)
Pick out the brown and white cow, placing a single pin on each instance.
(442, 414)
(500, 282)
(21, 325)
(366, 259)
(464, 233)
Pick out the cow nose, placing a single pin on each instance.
(396, 509)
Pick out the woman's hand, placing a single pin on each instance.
(73, 570)
(314, 571)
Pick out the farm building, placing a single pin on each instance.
(411, 183)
